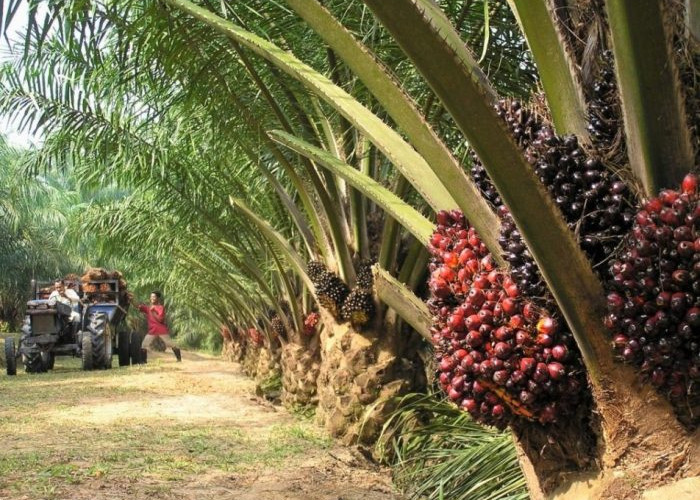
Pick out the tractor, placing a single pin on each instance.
(47, 331)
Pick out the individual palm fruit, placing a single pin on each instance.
(499, 356)
(654, 297)
(358, 307)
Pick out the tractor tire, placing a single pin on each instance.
(86, 352)
(33, 363)
(123, 348)
(137, 357)
(48, 359)
(100, 331)
(10, 356)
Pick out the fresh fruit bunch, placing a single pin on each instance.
(310, 322)
(358, 308)
(277, 327)
(255, 336)
(604, 108)
(365, 279)
(499, 356)
(331, 291)
(654, 299)
(594, 201)
(457, 253)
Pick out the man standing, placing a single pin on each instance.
(155, 316)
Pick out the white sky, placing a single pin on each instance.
(14, 136)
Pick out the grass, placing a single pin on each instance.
(52, 444)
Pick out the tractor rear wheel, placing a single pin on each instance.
(86, 352)
(123, 347)
(100, 331)
(10, 356)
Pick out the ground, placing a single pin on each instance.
(166, 430)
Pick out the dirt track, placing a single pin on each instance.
(191, 430)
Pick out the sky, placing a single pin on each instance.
(14, 136)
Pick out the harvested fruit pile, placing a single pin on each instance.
(499, 355)
(100, 285)
(654, 303)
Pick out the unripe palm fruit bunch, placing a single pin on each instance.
(593, 200)
(358, 308)
(499, 356)
(277, 327)
(654, 297)
(331, 291)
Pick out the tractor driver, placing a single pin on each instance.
(66, 296)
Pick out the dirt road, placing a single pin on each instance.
(190, 430)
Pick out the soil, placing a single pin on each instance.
(190, 430)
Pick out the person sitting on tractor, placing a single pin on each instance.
(66, 296)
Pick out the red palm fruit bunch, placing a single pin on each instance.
(654, 299)
(255, 336)
(499, 356)
(310, 322)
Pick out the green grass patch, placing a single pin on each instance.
(54, 438)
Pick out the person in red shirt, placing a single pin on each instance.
(157, 327)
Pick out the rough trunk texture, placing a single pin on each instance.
(360, 374)
(233, 350)
(249, 362)
(300, 365)
(268, 363)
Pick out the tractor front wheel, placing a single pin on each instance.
(86, 352)
(10, 356)
(33, 363)
(100, 331)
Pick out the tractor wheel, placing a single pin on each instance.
(10, 356)
(137, 358)
(48, 359)
(33, 362)
(101, 333)
(86, 352)
(123, 347)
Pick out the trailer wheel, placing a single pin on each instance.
(100, 331)
(137, 357)
(10, 356)
(123, 347)
(86, 352)
(33, 363)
